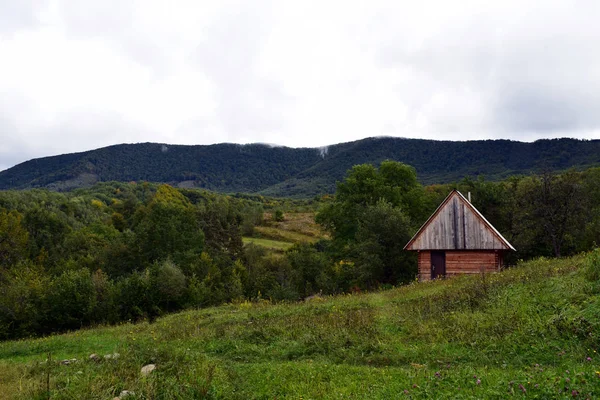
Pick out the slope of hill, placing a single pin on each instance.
(283, 171)
(531, 331)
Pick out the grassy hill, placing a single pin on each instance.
(530, 332)
(302, 172)
(278, 236)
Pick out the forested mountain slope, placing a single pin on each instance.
(301, 172)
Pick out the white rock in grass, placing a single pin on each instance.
(94, 357)
(113, 356)
(147, 369)
(126, 393)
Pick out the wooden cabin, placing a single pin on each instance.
(457, 239)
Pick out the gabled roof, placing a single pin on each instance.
(457, 225)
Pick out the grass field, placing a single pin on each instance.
(276, 245)
(530, 332)
(295, 228)
(280, 236)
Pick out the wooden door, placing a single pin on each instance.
(438, 264)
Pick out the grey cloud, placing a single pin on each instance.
(536, 73)
(536, 109)
(18, 15)
(528, 69)
(248, 104)
(114, 21)
(80, 130)
(13, 149)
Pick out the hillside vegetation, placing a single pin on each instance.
(532, 331)
(303, 172)
(131, 252)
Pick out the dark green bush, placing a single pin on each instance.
(592, 265)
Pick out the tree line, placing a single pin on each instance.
(301, 172)
(133, 251)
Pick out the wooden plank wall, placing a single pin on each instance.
(457, 227)
(424, 265)
(461, 262)
(470, 262)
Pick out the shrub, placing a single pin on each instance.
(592, 265)
(21, 294)
(278, 216)
(133, 297)
(70, 301)
(169, 283)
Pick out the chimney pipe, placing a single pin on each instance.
(469, 196)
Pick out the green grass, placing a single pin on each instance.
(268, 243)
(297, 227)
(523, 333)
(269, 232)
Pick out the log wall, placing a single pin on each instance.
(461, 262)
(424, 265)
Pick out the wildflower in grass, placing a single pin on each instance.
(589, 359)
(478, 382)
(438, 374)
(522, 388)
(406, 391)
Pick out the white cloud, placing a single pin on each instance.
(79, 75)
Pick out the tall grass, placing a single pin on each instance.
(532, 331)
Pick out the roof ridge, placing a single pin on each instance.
(472, 207)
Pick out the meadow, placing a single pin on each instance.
(532, 331)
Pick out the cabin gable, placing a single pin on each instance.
(457, 225)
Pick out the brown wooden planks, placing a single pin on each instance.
(457, 226)
(461, 262)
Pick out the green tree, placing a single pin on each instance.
(168, 227)
(365, 185)
(591, 188)
(22, 291)
(169, 283)
(13, 238)
(309, 264)
(47, 231)
(133, 297)
(553, 206)
(378, 252)
(70, 301)
(278, 215)
(370, 219)
(220, 221)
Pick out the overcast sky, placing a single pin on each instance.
(81, 74)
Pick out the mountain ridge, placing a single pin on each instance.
(296, 172)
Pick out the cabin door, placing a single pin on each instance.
(438, 264)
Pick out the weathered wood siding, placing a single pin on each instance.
(461, 262)
(471, 262)
(457, 227)
(424, 265)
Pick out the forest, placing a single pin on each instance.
(135, 251)
(296, 172)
